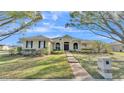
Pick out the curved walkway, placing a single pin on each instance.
(78, 72)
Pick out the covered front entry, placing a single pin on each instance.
(66, 45)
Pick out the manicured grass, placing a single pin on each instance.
(118, 67)
(47, 67)
(89, 62)
(118, 53)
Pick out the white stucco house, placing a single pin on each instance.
(4, 47)
(66, 42)
(117, 47)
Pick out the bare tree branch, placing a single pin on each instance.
(36, 16)
(113, 31)
(7, 22)
(18, 29)
(5, 18)
(107, 24)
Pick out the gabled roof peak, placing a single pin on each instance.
(38, 37)
(68, 36)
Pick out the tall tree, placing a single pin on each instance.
(99, 46)
(22, 20)
(108, 24)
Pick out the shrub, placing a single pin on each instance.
(111, 53)
(57, 52)
(12, 51)
(19, 49)
(28, 52)
(43, 51)
(86, 50)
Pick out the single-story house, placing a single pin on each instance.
(4, 47)
(66, 42)
(117, 47)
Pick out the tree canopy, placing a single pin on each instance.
(100, 46)
(22, 20)
(109, 24)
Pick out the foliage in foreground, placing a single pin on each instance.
(107, 24)
(23, 20)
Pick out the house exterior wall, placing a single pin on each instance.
(51, 44)
(70, 41)
(4, 47)
(118, 48)
(36, 44)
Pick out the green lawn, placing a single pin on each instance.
(89, 62)
(47, 67)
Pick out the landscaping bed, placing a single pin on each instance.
(57, 52)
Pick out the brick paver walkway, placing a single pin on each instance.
(79, 72)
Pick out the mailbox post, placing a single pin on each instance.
(104, 67)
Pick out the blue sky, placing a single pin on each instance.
(52, 26)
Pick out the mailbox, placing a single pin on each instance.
(104, 67)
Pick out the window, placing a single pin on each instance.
(75, 46)
(41, 44)
(29, 44)
(57, 46)
(107, 62)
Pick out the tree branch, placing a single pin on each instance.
(5, 18)
(6, 35)
(112, 30)
(7, 22)
(116, 23)
(110, 36)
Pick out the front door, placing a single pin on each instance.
(66, 45)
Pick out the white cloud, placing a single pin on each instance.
(51, 27)
(44, 16)
(53, 36)
(41, 29)
(100, 37)
(62, 28)
(57, 27)
(46, 23)
(54, 17)
(38, 29)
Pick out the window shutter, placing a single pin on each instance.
(44, 44)
(39, 44)
(31, 44)
(26, 44)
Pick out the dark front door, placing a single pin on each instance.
(66, 45)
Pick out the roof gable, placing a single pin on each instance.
(66, 36)
(40, 37)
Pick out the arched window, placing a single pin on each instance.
(57, 46)
(75, 46)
